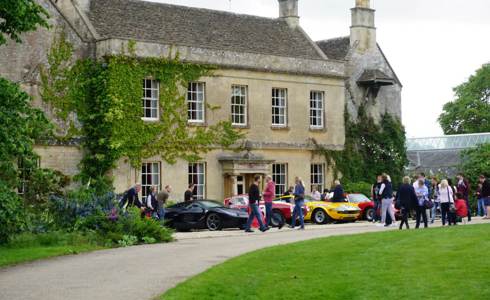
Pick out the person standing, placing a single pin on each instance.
(338, 192)
(253, 201)
(189, 193)
(162, 198)
(446, 199)
(463, 187)
(422, 195)
(406, 199)
(386, 193)
(269, 194)
(485, 193)
(434, 196)
(376, 198)
(481, 209)
(299, 199)
(152, 203)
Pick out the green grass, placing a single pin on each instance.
(439, 263)
(29, 247)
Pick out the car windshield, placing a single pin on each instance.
(210, 204)
(358, 198)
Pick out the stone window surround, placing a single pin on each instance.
(144, 184)
(197, 92)
(321, 111)
(278, 176)
(317, 176)
(151, 109)
(284, 107)
(200, 187)
(244, 105)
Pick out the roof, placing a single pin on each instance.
(459, 141)
(199, 28)
(336, 48)
(376, 76)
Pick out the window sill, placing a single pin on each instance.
(318, 129)
(150, 119)
(238, 126)
(196, 124)
(279, 127)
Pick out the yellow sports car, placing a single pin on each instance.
(321, 212)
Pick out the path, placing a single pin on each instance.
(144, 272)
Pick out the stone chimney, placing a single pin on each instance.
(288, 10)
(362, 31)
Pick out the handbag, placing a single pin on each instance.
(428, 204)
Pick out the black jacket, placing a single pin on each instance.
(338, 194)
(131, 197)
(485, 189)
(253, 194)
(406, 196)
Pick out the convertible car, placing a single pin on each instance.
(282, 211)
(365, 204)
(322, 212)
(204, 214)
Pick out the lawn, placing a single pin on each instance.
(29, 247)
(439, 263)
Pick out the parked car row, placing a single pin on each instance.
(233, 213)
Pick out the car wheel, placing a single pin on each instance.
(369, 215)
(213, 222)
(277, 219)
(319, 216)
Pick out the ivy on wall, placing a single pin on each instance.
(106, 96)
(370, 149)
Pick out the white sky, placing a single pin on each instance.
(433, 45)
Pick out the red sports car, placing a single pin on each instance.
(281, 211)
(367, 206)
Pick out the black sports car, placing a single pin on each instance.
(204, 214)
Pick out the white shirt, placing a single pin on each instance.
(446, 195)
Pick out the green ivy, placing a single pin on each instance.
(106, 97)
(370, 149)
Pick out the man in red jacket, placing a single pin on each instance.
(269, 194)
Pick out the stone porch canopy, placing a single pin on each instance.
(248, 163)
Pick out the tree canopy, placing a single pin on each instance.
(18, 16)
(470, 111)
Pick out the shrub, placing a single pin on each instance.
(133, 224)
(12, 218)
(127, 240)
(358, 187)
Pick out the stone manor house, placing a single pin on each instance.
(287, 92)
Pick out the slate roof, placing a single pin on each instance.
(336, 48)
(200, 28)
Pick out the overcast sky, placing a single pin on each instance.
(433, 45)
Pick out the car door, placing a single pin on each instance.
(192, 214)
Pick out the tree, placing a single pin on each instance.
(476, 161)
(470, 111)
(18, 16)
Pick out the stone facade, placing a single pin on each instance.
(262, 69)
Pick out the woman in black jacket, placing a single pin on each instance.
(406, 199)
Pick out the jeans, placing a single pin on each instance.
(268, 213)
(254, 213)
(420, 214)
(445, 214)
(377, 216)
(386, 206)
(482, 209)
(469, 209)
(298, 210)
(161, 214)
(404, 212)
(434, 211)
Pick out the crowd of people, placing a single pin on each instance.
(426, 197)
(422, 196)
